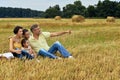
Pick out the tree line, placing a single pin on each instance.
(6, 12)
(101, 10)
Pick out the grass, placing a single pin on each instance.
(94, 44)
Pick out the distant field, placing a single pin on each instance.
(94, 44)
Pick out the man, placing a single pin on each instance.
(39, 44)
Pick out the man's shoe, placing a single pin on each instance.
(71, 57)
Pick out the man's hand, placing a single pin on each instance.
(69, 31)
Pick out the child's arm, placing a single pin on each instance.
(33, 52)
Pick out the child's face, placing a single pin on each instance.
(26, 44)
(27, 35)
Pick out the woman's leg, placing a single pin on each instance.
(58, 46)
(18, 55)
(45, 53)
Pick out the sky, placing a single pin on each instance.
(42, 5)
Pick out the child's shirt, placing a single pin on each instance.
(29, 50)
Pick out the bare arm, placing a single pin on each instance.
(33, 52)
(59, 33)
(11, 47)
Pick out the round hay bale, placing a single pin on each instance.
(110, 19)
(78, 18)
(57, 17)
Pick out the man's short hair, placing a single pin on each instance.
(33, 27)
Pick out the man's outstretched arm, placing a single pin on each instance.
(59, 33)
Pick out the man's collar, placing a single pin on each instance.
(32, 37)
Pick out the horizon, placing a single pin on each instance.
(42, 5)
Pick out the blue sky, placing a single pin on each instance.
(43, 4)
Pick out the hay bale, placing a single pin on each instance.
(57, 17)
(110, 19)
(78, 18)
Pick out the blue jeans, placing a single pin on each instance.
(57, 46)
(23, 53)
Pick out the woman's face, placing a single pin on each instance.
(20, 32)
(27, 35)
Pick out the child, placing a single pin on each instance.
(27, 47)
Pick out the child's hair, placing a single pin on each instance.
(23, 42)
(24, 31)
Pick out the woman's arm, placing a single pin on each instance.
(11, 47)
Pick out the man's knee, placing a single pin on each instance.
(42, 51)
(57, 43)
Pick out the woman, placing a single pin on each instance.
(15, 44)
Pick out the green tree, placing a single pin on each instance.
(80, 8)
(91, 11)
(72, 9)
(69, 10)
(106, 8)
(51, 12)
(19, 12)
(117, 13)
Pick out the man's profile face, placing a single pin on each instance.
(37, 30)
